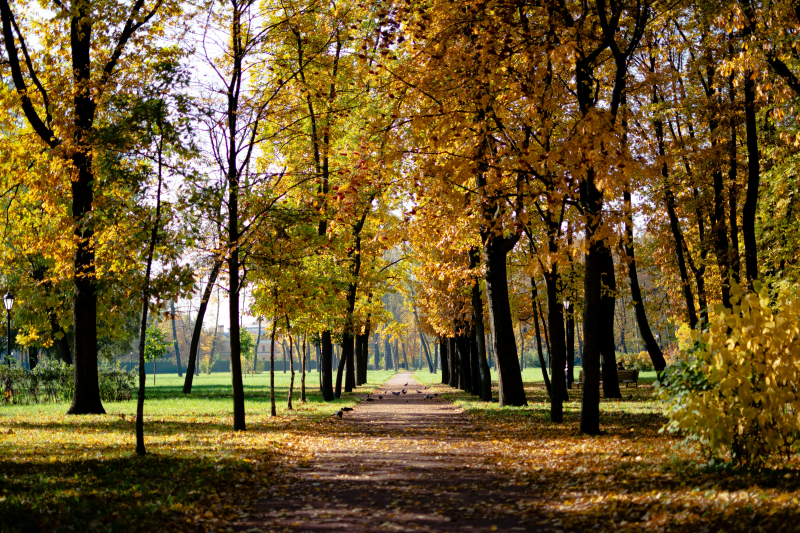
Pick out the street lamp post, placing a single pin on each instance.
(8, 301)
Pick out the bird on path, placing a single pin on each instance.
(370, 399)
(345, 409)
(419, 392)
(380, 397)
(337, 413)
(428, 396)
(404, 391)
(396, 393)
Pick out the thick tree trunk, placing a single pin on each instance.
(511, 389)
(192, 365)
(485, 391)
(387, 354)
(607, 347)
(86, 395)
(327, 366)
(452, 353)
(349, 356)
(445, 359)
(558, 355)
(592, 200)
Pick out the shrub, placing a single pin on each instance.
(736, 391)
(635, 361)
(51, 381)
(116, 384)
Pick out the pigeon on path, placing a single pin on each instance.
(380, 397)
(404, 391)
(337, 413)
(370, 399)
(406, 385)
(396, 393)
(345, 409)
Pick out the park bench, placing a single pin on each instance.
(627, 377)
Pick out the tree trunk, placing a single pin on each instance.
(347, 346)
(558, 355)
(376, 339)
(753, 180)
(607, 346)
(348, 355)
(175, 339)
(511, 389)
(283, 352)
(291, 364)
(485, 390)
(475, 365)
(273, 410)
(452, 352)
(140, 448)
(542, 362)
(445, 359)
(303, 374)
(327, 366)
(359, 358)
(636, 293)
(198, 328)
(465, 364)
(258, 341)
(733, 187)
(570, 347)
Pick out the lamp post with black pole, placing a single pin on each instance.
(8, 301)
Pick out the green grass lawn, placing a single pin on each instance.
(63, 472)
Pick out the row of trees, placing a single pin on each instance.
(488, 157)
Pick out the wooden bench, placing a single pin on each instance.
(627, 377)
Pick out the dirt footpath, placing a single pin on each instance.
(401, 463)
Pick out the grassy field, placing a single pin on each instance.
(77, 473)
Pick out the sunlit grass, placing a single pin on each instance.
(63, 472)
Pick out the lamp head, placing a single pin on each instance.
(8, 300)
(566, 304)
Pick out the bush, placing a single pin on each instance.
(635, 361)
(51, 381)
(736, 391)
(116, 384)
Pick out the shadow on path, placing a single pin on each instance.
(402, 463)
